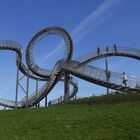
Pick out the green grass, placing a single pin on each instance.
(73, 122)
(108, 99)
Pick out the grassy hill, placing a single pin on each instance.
(73, 122)
(114, 98)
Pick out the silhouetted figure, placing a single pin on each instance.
(107, 49)
(98, 51)
(115, 48)
(125, 79)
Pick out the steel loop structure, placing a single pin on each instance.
(60, 73)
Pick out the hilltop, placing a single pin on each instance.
(73, 122)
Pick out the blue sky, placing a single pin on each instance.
(91, 23)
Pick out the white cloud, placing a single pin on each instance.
(88, 24)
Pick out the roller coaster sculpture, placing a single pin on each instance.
(79, 67)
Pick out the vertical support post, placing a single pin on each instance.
(17, 77)
(66, 86)
(46, 101)
(36, 91)
(27, 89)
(106, 64)
(61, 99)
(38, 104)
(75, 96)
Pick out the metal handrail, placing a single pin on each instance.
(78, 67)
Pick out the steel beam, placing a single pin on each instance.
(27, 89)
(46, 102)
(66, 87)
(37, 105)
(107, 70)
(17, 78)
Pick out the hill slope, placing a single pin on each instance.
(72, 122)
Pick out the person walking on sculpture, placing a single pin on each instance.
(115, 48)
(98, 51)
(125, 79)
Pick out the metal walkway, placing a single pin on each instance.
(79, 67)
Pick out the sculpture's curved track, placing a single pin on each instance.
(78, 67)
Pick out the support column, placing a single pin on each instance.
(46, 101)
(27, 89)
(107, 71)
(75, 96)
(17, 77)
(37, 105)
(66, 87)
